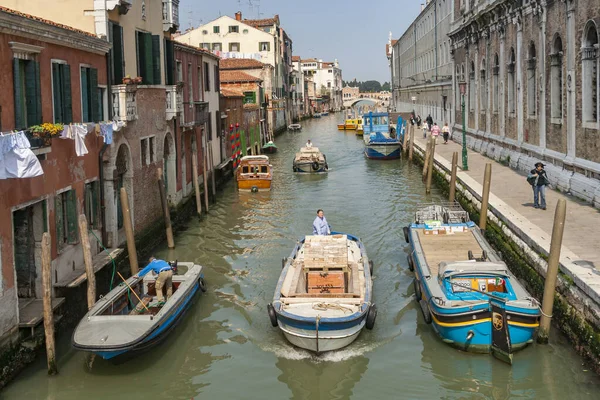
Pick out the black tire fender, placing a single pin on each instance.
(371, 268)
(202, 285)
(411, 263)
(417, 287)
(371, 316)
(272, 314)
(315, 166)
(405, 229)
(425, 311)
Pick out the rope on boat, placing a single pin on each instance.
(539, 306)
(331, 306)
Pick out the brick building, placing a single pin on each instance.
(531, 74)
(50, 74)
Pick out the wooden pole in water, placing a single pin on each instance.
(452, 195)
(196, 184)
(430, 167)
(133, 261)
(485, 196)
(205, 177)
(552, 272)
(405, 138)
(212, 173)
(165, 206)
(426, 159)
(411, 144)
(87, 259)
(47, 304)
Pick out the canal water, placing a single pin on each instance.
(226, 348)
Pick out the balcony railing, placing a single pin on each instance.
(173, 105)
(124, 102)
(170, 15)
(195, 113)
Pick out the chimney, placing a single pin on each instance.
(238, 16)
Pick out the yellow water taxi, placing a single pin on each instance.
(350, 124)
(254, 174)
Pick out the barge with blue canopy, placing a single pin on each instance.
(465, 291)
(381, 141)
(323, 298)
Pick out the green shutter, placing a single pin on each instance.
(170, 62)
(93, 77)
(139, 54)
(32, 93)
(57, 93)
(117, 54)
(58, 218)
(85, 104)
(19, 95)
(72, 216)
(147, 55)
(156, 59)
(66, 94)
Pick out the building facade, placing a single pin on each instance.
(421, 65)
(530, 70)
(51, 74)
(327, 77)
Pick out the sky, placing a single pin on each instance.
(354, 32)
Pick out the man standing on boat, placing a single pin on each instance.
(320, 225)
(165, 277)
(308, 144)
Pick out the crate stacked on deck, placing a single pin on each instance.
(326, 264)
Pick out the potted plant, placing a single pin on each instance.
(127, 80)
(44, 133)
(137, 80)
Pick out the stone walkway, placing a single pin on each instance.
(512, 196)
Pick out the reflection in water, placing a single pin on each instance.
(311, 379)
(225, 348)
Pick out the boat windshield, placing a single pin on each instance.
(478, 287)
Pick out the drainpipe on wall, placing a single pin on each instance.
(101, 154)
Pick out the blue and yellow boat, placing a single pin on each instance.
(465, 291)
(381, 143)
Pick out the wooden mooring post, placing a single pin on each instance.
(426, 160)
(47, 304)
(87, 259)
(411, 144)
(485, 196)
(552, 271)
(430, 167)
(452, 195)
(405, 137)
(205, 177)
(212, 174)
(131, 251)
(165, 206)
(196, 184)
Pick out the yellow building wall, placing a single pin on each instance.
(66, 12)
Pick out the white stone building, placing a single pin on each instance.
(327, 77)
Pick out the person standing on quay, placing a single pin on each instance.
(320, 225)
(429, 121)
(435, 131)
(538, 179)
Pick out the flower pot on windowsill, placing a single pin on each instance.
(36, 142)
(127, 81)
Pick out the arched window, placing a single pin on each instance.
(472, 87)
(496, 91)
(511, 81)
(482, 87)
(556, 78)
(589, 69)
(531, 81)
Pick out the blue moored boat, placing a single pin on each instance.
(465, 291)
(120, 326)
(323, 297)
(381, 143)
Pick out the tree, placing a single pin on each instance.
(386, 86)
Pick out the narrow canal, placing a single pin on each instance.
(226, 347)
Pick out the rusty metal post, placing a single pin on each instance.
(552, 272)
(131, 251)
(485, 196)
(47, 304)
(452, 195)
(87, 259)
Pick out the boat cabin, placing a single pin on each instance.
(254, 173)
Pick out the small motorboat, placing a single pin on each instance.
(310, 159)
(465, 291)
(349, 124)
(317, 115)
(323, 297)
(269, 147)
(294, 127)
(324, 113)
(254, 174)
(381, 143)
(129, 320)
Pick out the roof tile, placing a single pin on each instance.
(240, 63)
(237, 76)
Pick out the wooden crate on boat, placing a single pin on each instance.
(326, 282)
(326, 253)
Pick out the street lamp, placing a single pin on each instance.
(463, 89)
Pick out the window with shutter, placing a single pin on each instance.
(89, 95)
(91, 204)
(19, 94)
(169, 62)
(59, 221)
(156, 60)
(33, 98)
(206, 78)
(61, 92)
(71, 208)
(117, 55)
(217, 79)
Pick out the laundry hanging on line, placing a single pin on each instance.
(76, 132)
(16, 158)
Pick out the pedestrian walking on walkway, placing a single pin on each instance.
(446, 132)
(435, 131)
(538, 179)
(429, 121)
